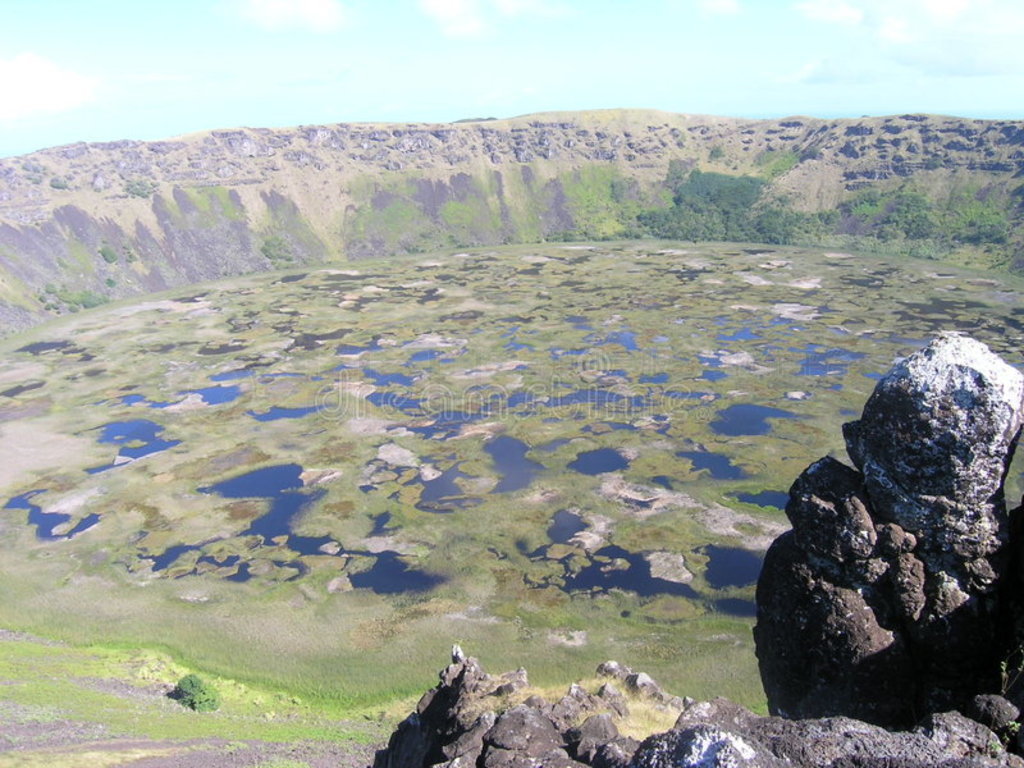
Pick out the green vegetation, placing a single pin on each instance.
(109, 254)
(276, 249)
(57, 298)
(58, 182)
(196, 694)
(775, 164)
(139, 188)
(714, 206)
(497, 319)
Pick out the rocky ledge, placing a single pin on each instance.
(475, 720)
(895, 599)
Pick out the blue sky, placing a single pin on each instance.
(101, 70)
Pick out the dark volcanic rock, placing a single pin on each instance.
(882, 603)
(454, 728)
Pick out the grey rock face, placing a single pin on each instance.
(883, 601)
(720, 734)
(454, 727)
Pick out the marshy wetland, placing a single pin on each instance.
(553, 455)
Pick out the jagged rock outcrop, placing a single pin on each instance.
(883, 602)
(468, 722)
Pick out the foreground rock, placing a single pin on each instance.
(883, 602)
(471, 719)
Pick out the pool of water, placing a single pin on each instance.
(731, 566)
(720, 467)
(388, 379)
(509, 456)
(46, 522)
(390, 575)
(777, 499)
(135, 439)
(747, 419)
(743, 334)
(216, 395)
(443, 494)
(276, 412)
(826, 362)
(598, 461)
(734, 606)
(654, 378)
(631, 572)
(282, 484)
(565, 525)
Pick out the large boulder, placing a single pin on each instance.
(883, 602)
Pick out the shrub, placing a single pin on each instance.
(109, 254)
(196, 694)
(139, 188)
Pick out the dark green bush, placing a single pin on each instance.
(196, 694)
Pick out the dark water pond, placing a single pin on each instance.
(654, 378)
(777, 499)
(276, 412)
(390, 575)
(39, 347)
(731, 566)
(216, 395)
(388, 379)
(826, 362)
(137, 438)
(598, 461)
(625, 339)
(425, 356)
(710, 374)
(355, 349)
(743, 334)
(46, 522)
(734, 606)
(596, 398)
(410, 406)
(747, 419)
(443, 494)
(509, 456)
(283, 485)
(381, 525)
(137, 399)
(565, 525)
(240, 373)
(720, 467)
(632, 572)
(21, 389)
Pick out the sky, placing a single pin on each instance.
(105, 70)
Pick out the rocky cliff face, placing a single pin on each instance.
(886, 617)
(88, 222)
(884, 601)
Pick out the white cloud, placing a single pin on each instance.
(312, 15)
(933, 37)
(529, 8)
(832, 11)
(32, 85)
(723, 7)
(474, 18)
(456, 18)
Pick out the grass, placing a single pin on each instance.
(347, 653)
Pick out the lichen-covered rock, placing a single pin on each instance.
(883, 602)
(720, 734)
